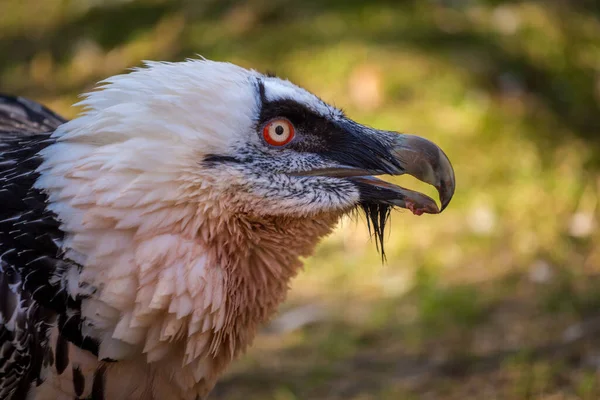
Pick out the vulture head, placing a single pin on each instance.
(188, 193)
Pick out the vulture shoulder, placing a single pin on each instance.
(31, 296)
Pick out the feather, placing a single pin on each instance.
(30, 294)
(377, 217)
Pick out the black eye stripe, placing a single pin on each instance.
(297, 113)
(340, 139)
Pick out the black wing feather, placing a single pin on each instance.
(23, 116)
(31, 298)
(24, 325)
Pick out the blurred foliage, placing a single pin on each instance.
(496, 298)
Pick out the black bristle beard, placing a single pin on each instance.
(377, 217)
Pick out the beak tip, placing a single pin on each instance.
(446, 192)
(427, 162)
(444, 205)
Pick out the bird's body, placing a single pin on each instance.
(143, 243)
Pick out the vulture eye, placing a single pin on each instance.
(278, 132)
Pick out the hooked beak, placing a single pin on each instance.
(398, 154)
(428, 163)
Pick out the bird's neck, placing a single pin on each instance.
(176, 299)
(259, 256)
(178, 280)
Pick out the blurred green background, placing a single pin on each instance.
(498, 297)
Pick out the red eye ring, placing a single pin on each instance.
(278, 132)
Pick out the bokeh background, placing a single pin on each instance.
(498, 297)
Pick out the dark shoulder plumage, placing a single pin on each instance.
(29, 233)
(32, 296)
(22, 116)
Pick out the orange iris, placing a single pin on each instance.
(278, 132)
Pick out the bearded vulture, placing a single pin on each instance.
(143, 242)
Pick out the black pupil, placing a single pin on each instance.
(279, 130)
